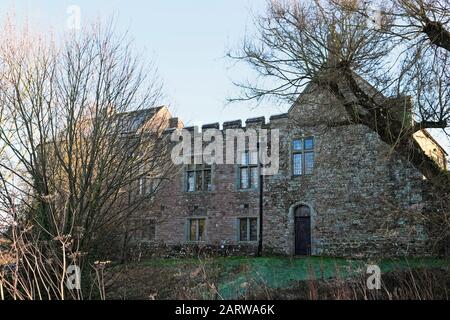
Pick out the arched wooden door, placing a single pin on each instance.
(303, 231)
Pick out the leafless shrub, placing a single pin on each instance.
(413, 284)
(371, 70)
(74, 145)
(386, 64)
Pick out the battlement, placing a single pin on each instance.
(251, 123)
(236, 124)
(215, 125)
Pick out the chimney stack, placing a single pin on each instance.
(175, 123)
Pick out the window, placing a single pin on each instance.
(148, 185)
(196, 230)
(302, 156)
(248, 229)
(198, 178)
(248, 170)
(144, 229)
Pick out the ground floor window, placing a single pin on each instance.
(144, 229)
(248, 229)
(196, 229)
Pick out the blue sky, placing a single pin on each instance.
(188, 41)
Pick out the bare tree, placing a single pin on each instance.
(419, 29)
(76, 141)
(420, 22)
(372, 67)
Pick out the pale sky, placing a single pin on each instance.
(186, 39)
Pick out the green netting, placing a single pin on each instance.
(277, 272)
(234, 275)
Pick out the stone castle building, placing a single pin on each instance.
(339, 191)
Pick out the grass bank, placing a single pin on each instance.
(234, 277)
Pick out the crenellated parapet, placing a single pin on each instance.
(251, 123)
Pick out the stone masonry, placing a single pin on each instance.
(364, 199)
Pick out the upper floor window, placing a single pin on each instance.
(148, 185)
(198, 178)
(248, 170)
(303, 156)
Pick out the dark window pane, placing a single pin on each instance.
(190, 181)
(148, 228)
(297, 145)
(137, 230)
(148, 186)
(201, 230)
(142, 186)
(155, 185)
(151, 186)
(198, 181)
(309, 143)
(244, 178)
(254, 177)
(297, 163)
(208, 180)
(253, 229)
(193, 230)
(309, 162)
(243, 230)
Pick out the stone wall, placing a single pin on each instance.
(365, 199)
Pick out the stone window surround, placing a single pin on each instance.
(148, 185)
(291, 226)
(148, 222)
(203, 169)
(238, 226)
(188, 229)
(238, 168)
(292, 152)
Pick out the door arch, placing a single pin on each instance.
(302, 220)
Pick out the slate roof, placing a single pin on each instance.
(134, 120)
